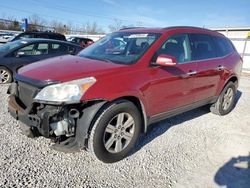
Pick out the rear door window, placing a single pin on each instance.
(42, 49)
(202, 47)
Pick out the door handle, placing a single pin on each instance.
(220, 68)
(190, 73)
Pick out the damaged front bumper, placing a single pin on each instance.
(69, 124)
(47, 120)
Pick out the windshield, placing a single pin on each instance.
(11, 45)
(120, 47)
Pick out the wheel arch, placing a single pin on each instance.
(232, 78)
(90, 114)
(136, 101)
(4, 66)
(140, 105)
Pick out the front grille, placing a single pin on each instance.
(26, 93)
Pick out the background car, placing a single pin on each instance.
(84, 42)
(39, 34)
(4, 37)
(16, 54)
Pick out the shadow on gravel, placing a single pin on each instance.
(235, 173)
(237, 97)
(161, 127)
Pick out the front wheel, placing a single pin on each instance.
(225, 102)
(5, 75)
(115, 131)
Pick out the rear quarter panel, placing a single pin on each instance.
(233, 67)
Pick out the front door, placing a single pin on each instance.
(29, 54)
(172, 87)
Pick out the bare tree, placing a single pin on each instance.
(92, 28)
(116, 26)
(9, 25)
(59, 27)
(36, 22)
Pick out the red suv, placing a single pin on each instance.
(103, 98)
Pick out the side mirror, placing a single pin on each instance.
(20, 54)
(166, 60)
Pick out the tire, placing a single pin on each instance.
(111, 141)
(225, 102)
(5, 75)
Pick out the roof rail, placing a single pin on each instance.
(130, 28)
(173, 27)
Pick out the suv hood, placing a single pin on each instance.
(68, 67)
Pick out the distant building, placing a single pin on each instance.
(240, 37)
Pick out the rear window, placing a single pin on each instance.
(224, 46)
(202, 47)
(24, 36)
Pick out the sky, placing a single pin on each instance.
(146, 13)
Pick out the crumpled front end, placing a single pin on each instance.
(68, 124)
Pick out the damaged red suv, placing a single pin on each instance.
(103, 98)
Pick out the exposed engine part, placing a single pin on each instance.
(62, 128)
(74, 113)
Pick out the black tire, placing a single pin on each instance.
(97, 141)
(5, 75)
(218, 107)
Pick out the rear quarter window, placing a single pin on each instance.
(224, 46)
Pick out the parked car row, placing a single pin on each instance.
(5, 37)
(104, 97)
(29, 47)
(16, 54)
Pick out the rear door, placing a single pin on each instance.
(172, 87)
(208, 65)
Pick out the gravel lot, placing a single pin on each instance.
(195, 149)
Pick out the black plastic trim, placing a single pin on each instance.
(164, 115)
(36, 83)
(85, 122)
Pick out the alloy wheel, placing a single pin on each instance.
(4, 76)
(119, 132)
(228, 98)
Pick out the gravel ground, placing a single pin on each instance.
(194, 149)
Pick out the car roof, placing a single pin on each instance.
(41, 32)
(31, 40)
(166, 29)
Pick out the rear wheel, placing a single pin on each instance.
(225, 102)
(115, 131)
(5, 75)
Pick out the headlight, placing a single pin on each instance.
(68, 92)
